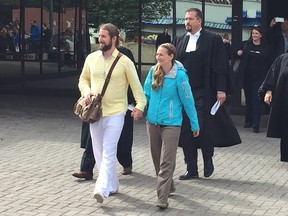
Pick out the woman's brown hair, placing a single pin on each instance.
(158, 72)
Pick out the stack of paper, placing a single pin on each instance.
(215, 107)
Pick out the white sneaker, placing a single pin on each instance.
(99, 197)
(162, 205)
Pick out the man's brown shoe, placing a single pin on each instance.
(83, 175)
(127, 171)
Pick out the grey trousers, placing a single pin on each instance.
(163, 146)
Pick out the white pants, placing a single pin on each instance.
(105, 135)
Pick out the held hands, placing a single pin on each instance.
(268, 97)
(196, 133)
(136, 114)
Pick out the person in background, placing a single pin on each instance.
(204, 56)
(227, 43)
(163, 37)
(252, 71)
(35, 36)
(274, 92)
(16, 39)
(124, 149)
(65, 49)
(277, 37)
(46, 38)
(87, 161)
(167, 90)
(106, 132)
(4, 42)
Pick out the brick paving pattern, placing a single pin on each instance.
(39, 150)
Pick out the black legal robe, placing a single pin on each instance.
(217, 130)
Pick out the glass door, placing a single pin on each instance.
(31, 37)
(42, 39)
(9, 40)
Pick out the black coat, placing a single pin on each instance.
(218, 130)
(264, 66)
(277, 82)
(276, 42)
(129, 54)
(163, 38)
(47, 35)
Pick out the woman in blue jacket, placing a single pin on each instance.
(167, 90)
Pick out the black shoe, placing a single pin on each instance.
(256, 129)
(208, 168)
(189, 175)
(247, 125)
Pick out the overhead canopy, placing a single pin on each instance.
(248, 21)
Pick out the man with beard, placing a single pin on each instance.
(106, 132)
(204, 56)
(124, 149)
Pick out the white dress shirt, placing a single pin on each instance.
(191, 46)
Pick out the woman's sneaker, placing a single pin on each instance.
(162, 205)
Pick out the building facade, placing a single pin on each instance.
(41, 40)
(25, 58)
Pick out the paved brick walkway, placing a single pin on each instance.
(39, 150)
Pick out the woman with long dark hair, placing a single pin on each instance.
(252, 71)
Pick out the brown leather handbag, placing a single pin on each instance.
(93, 112)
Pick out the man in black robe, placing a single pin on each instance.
(274, 92)
(46, 38)
(277, 37)
(204, 56)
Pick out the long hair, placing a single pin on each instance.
(257, 28)
(158, 72)
(112, 31)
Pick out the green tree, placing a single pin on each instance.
(10, 2)
(124, 13)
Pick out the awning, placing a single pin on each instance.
(248, 21)
(181, 21)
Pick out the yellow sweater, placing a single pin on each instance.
(124, 74)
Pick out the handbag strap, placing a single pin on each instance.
(107, 80)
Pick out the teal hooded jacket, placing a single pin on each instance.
(164, 105)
